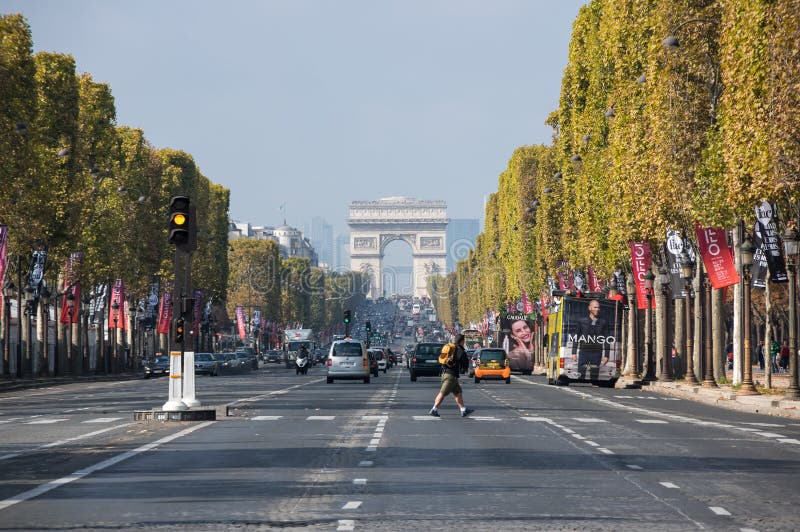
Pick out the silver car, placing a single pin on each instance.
(348, 360)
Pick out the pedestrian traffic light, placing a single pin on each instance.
(179, 220)
(179, 323)
(368, 326)
(347, 316)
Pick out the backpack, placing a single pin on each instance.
(448, 355)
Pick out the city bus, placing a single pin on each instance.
(582, 341)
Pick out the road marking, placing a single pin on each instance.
(372, 449)
(359, 481)
(578, 436)
(265, 418)
(669, 485)
(605, 451)
(746, 429)
(485, 418)
(102, 420)
(352, 505)
(425, 418)
(320, 418)
(374, 418)
(652, 421)
(346, 524)
(719, 510)
(589, 420)
(568, 431)
(546, 420)
(789, 440)
(770, 434)
(45, 421)
(77, 475)
(366, 463)
(764, 424)
(375, 441)
(593, 444)
(634, 467)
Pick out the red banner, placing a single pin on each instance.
(717, 256)
(640, 257)
(527, 304)
(165, 310)
(116, 317)
(240, 322)
(594, 284)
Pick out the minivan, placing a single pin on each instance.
(348, 360)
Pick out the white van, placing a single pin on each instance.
(348, 360)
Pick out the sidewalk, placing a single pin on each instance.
(726, 397)
(12, 384)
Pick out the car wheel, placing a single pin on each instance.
(366, 380)
(477, 380)
(413, 378)
(330, 380)
(384, 371)
(508, 380)
(146, 375)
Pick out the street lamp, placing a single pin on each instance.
(8, 293)
(69, 364)
(746, 250)
(114, 361)
(45, 298)
(708, 374)
(792, 249)
(650, 374)
(687, 267)
(666, 369)
(29, 300)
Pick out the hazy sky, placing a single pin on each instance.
(316, 103)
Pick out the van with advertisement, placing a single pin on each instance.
(582, 341)
(293, 341)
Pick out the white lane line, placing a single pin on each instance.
(77, 475)
(545, 419)
(605, 451)
(484, 418)
(789, 440)
(669, 485)
(103, 420)
(352, 505)
(770, 434)
(83, 436)
(320, 418)
(378, 430)
(375, 441)
(569, 431)
(652, 421)
(593, 444)
(426, 418)
(366, 463)
(748, 530)
(371, 449)
(374, 418)
(634, 467)
(265, 418)
(359, 481)
(719, 510)
(764, 424)
(45, 421)
(578, 437)
(589, 420)
(747, 429)
(346, 524)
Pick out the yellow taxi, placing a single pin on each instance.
(492, 364)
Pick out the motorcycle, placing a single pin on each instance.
(301, 364)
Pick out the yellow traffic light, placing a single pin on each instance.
(179, 219)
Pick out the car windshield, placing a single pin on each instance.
(347, 350)
(498, 355)
(160, 360)
(429, 349)
(204, 357)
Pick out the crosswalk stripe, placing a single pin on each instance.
(652, 421)
(589, 420)
(320, 418)
(45, 421)
(265, 418)
(102, 420)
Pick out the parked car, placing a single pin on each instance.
(492, 364)
(227, 363)
(205, 364)
(155, 367)
(425, 360)
(348, 359)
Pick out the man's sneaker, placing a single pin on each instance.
(466, 412)
(434, 413)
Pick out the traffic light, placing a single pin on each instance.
(179, 221)
(347, 316)
(179, 323)
(368, 326)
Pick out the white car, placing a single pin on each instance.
(382, 365)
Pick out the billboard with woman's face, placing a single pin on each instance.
(516, 337)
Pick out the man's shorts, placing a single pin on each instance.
(450, 385)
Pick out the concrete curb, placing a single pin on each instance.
(726, 397)
(24, 384)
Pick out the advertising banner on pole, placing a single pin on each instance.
(674, 247)
(760, 265)
(766, 214)
(3, 251)
(717, 256)
(165, 311)
(116, 317)
(71, 286)
(641, 259)
(240, 322)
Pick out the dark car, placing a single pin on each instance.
(425, 360)
(273, 356)
(247, 361)
(205, 364)
(227, 362)
(155, 367)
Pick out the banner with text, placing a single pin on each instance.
(641, 259)
(717, 256)
(240, 322)
(766, 214)
(165, 311)
(71, 286)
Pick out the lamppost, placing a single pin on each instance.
(708, 373)
(792, 249)
(8, 293)
(69, 364)
(666, 370)
(687, 267)
(650, 374)
(29, 300)
(746, 251)
(45, 299)
(114, 360)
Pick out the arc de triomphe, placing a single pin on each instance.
(420, 223)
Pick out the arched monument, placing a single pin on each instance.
(420, 223)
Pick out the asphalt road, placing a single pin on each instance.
(300, 454)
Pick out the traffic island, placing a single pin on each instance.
(194, 414)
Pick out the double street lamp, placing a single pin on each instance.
(746, 252)
(45, 299)
(687, 270)
(792, 249)
(29, 304)
(666, 371)
(8, 293)
(650, 374)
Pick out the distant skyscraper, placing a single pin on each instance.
(342, 252)
(461, 235)
(322, 238)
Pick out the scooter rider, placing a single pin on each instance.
(302, 361)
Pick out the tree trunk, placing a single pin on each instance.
(737, 310)
(699, 293)
(661, 333)
(767, 333)
(718, 333)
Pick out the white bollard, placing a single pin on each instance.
(189, 398)
(174, 403)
